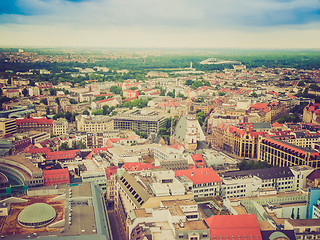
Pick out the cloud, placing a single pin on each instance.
(146, 22)
(202, 13)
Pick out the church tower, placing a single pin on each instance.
(192, 134)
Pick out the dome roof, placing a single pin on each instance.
(37, 214)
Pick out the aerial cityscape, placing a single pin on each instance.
(144, 120)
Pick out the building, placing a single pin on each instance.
(7, 126)
(23, 170)
(54, 177)
(145, 190)
(41, 124)
(279, 153)
(122, 155)
(164, 152)
(236, 141)
(94, 123)
(188, 132)
(205, 181)
(244, 226)
(138, 120)
(173, 220)
(60, 126)
(303, 228)
(256, 182)
(131, 94)
(311, 113)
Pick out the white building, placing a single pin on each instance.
(60, 126)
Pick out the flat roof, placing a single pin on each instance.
(24, 161)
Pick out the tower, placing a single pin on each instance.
(192, 135)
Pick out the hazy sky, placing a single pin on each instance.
(161, 23)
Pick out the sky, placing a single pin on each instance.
(266, 24)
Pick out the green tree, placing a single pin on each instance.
(86, 112)
(72, 101)
(44, 101)
(222, 93)
(64, 147)
(116, 90)
(68, 116)
(25, 92)
(181, 95)
(97, 112)
(52, 91)
(201, 116)
(301, 83)
(59, 115)
(189, 82)
(254, 94)
(99, 98)
(80, 145)
(197, 84)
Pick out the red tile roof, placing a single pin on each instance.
(198, 160)
(259, 106)
(199, 175)
(137, 166)
(39, 121)
(243, 226)
(62, 154)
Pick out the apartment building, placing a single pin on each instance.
(94, 123)
(280, 153)
(137, 120)
(164, 152)
(205, 181)
(7, 126)
(173, 220)
(304, 228)
(60, 126)
(145, 190)
(41, 124)
(119, 156)
(257, 182)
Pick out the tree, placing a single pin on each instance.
(48, 111)
(301, 83)
(254, 94)
(52, 91)
(59, 115)
(64, 147)
(25, 92)
(80, 145)
(97, 112)
(86, 112)
(116, 90)
(44, 101)
(99, 98)
(197, 84)
(68, 116)
(188, 82)
(201, 116)
(221, 93)
(181, 95)
(72, 101)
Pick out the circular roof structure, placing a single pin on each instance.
(37, 215)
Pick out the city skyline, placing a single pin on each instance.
(166, 24)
